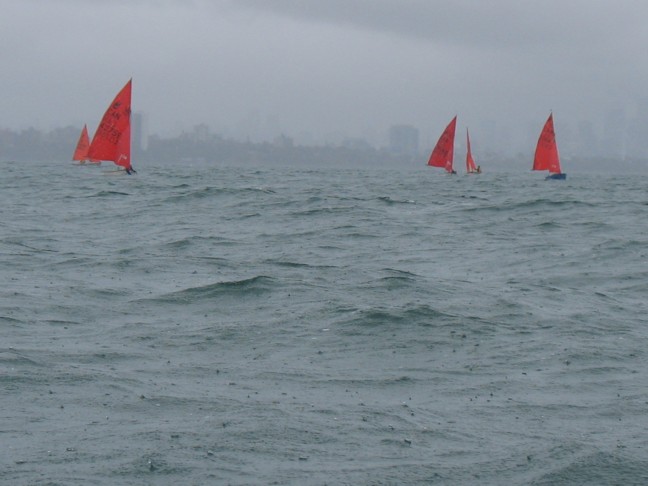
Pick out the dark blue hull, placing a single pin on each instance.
(559, 177)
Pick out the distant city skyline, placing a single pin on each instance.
(202, 146)
(620, 132)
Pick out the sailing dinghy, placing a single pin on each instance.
(471, 168)
(443, 153)
(83, 145)
(112, 140)
(546, 154)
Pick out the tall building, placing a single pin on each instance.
(140, 133)
(637, 139)
(404, 139)
(614, 130)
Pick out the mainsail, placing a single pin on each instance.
(112, 138)
(443, 152)
(470, 162)
(81, 150)
(546, 154)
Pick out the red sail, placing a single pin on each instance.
(443, 153)
(81, 151)
(470, 162)
(546, 154)
(112, 138)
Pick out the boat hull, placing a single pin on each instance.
(558, 177)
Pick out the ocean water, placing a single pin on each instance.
(252, 325)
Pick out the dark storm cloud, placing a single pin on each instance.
(495, 22)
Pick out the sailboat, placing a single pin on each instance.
(443, 153)
(471, 168)
(112, 140)
(81, 151)
(546, 154)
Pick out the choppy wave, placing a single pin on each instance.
(610, 467)
(249, 287)
(102, 194)
(390, 201)
(363, 320)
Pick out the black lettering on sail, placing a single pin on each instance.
(109, 133)
(114, 136)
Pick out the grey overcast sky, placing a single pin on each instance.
(318, 70)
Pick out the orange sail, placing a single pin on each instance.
(470, 162)
(112, 138)
(443, 153)
(81, 151)
(546, 154)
